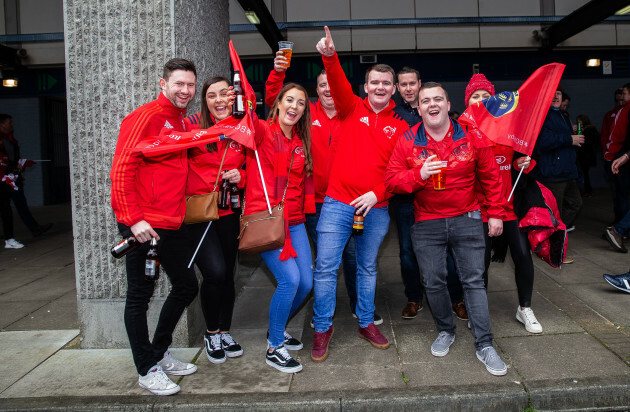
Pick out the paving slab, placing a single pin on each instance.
(605, 300)
(22, 351)
(11, 312)
(51, 287)
(18, 277)
(573, 356)
(98, 372)
(59, 314)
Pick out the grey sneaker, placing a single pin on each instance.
(489, 357)
(157, 382)
(172, 366)
(442, 343)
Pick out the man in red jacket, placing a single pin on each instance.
(148, 200)
(449, 218)
(358, 157)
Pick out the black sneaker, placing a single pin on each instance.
(231, 348)
(377, 319)
(280, 359)
(290, 342)
(214, 347)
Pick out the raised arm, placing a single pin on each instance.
(274, 82)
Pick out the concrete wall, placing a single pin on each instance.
(115, 51)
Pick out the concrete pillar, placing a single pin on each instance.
(115, 51)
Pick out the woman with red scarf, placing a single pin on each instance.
(479, 88)
(216, 257)
(283, 145)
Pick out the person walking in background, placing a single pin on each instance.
(12, 186)
(283, 144)
(587, 153)
(216, 257)
(479, 88)
(620, 230)
(149, 203)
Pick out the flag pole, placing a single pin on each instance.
(199, 245)
(515, 183)
(262, 179)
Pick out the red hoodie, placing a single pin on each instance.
(203, 166)
(467, 163)
(360, 151)
(617, 135)
(323, 129)
(149, 188)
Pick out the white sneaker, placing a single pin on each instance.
(173, 366)
(12, 244)
(527, 318)
(157, 382)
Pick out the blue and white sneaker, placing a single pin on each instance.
(621, 282)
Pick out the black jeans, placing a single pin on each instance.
(216, 260)
(7, 194)
(174, 247)
(568, 198)
(520, 252)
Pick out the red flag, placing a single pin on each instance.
(246, 122)
(515, 118)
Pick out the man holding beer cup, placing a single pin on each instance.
(440, 162)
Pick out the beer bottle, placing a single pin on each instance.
(235, 198)
(224, 194)
(238, 109)
(124, 247)
(152, 264)
(579, 128)
(357, 225)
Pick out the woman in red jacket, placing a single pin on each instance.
(479, 88)
(283, 145)
(216, 257)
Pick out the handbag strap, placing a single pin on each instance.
(216, 182)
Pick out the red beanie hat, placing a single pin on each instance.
(478, 82)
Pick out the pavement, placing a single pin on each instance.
(580, 362)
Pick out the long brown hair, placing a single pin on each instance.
(206, 118)
(303, 126)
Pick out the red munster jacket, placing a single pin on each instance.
(503, 155)
(617, 135)
(467, 163)
(360, 151)
(607, 123)
(149, 188)
(203, 166)
(323, 129)
(269, 152)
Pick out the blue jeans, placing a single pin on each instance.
(333, 231)
(295, 281)
(402, 208)
(463, 235)
(349, 257)
(623, 226)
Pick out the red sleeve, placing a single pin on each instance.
(124, 168)
(243, 182)
(340, 87)
(273, 85)
(400, 177)
(488, 176)
(618, 135)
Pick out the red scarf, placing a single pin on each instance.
(282, 161)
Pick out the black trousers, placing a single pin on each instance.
(523, 265)
(174, 247)
(216, 260)
(7, 194)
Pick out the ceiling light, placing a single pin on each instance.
(252, 17)
(593, 63)
(9, 82)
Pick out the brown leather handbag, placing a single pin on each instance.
(203, 208)
(264, 231)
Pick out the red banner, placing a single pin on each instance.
(515, 118)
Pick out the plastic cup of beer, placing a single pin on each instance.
(439, 179)
(286, 47)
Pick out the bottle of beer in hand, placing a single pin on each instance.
(579, 128)
(235, 198)
(124, 247)
(238, 110)
(152, 264)
(357, 224)
(224, 194)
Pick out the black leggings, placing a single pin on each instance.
(523, 265)
(216, 260)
